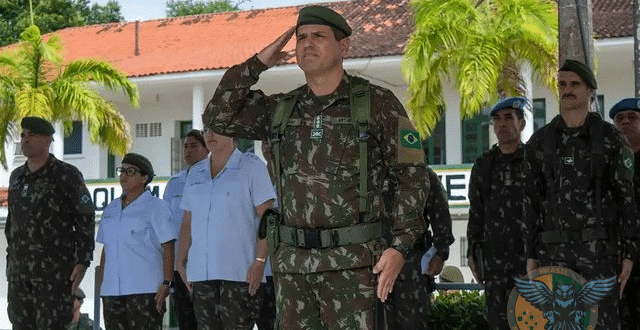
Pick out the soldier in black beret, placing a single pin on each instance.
(50, 233)
(578, 204)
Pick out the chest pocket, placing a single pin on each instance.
(333, 149)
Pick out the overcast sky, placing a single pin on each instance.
(149, 9)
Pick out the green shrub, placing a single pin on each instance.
(458, 310)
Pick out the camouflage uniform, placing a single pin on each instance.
(630, 303)
(50, 229)
(411, 296)
(84, 323)
(320, 190)
(222, 304)
(495, 226)
(134, 311)
(560, 201)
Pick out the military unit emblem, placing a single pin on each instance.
(556, 298)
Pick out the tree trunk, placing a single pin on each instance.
(575, 31)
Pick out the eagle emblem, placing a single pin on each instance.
(564, 307)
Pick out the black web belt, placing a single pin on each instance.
(568, 236)
(310, 238)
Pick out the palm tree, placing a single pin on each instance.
(480, 45)
(34, 81)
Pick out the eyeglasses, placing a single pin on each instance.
(130, 171)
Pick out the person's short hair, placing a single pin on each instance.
(196, 134)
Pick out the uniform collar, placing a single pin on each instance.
(232, 163)
(44, 167)
(583, 131)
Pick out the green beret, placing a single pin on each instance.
(581, 70)
(323, 16)
(141, 162)
(37, 125)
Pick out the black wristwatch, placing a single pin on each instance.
(405, 250)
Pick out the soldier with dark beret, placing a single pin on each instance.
(50, 229)
(626, 117)
(579, 209)
(496, 253)
(339, 142)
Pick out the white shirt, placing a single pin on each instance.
(132, 239)
(224, 223)
(173, 195)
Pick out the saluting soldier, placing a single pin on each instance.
(50, 229)
(331, 260)
(579, 201)
(495, 228)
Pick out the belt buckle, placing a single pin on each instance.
(308, 238)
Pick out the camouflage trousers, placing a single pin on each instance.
(497, 292)
(183, 305)
(267, 318)
(595, 261)
(35, 305)
(135, 311)
(225, 305)
(340, 300)
(630, 304)
(410, 299)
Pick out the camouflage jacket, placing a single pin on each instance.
(50, 226)
(436, 214)
(320, 176)
(495, 211)
(560, 193)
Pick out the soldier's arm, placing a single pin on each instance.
(629, 226)
(475, 225)
(82, 213)
(407, 168)
(533, 194)
(402, 154)
(437, 211)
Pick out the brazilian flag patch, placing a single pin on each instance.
(410, 139)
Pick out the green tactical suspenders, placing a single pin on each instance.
(360, 105)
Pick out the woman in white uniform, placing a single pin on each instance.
(136, 265)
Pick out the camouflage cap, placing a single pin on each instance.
(37, 125)
(141, 162)
(581, 70)
(323, 16)
(632, 103)
(518, 103)
(451, 274)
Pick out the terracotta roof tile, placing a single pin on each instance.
(613, 18)
(217, 41)
(4, 196)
